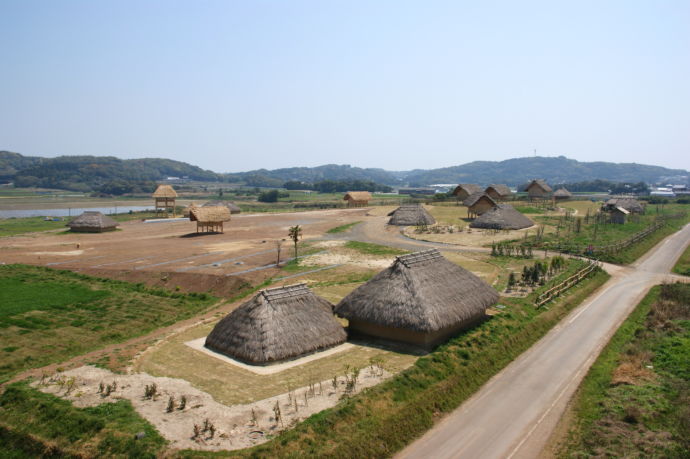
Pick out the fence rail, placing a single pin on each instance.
(556, 291)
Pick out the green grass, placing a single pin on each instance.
(14, 226)
(49, 315)
(650, 415)
(529, 210)
(34, 424)
(683, 265)
(342, 228)
(383, 419)
(373, 249)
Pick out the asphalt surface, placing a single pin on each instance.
(513, 414)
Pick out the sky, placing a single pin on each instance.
(238, 85)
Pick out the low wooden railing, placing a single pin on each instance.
(556, 291)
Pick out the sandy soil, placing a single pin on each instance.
(474, 237)
(234, 425)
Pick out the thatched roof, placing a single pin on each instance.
(234, 208)
(562, 193)
(503, 216)
(469, 188)
(92, 221)
(277, 324)
(422, 292)
(621, 210)
(165, 191)
(357, 196)
(475, 197)
(500, 189)
(627, 203)
(209, 214)
(541, 184)
(411, 214)
(187, 210)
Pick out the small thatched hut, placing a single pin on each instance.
(164, 197)
(478, 203)
(464, 190)
(538, 189)
(421, 299)
(632, 205)
(410, 215)
(92, 222)
(562, 194)
(357, 198)
(502, 217)
(619, 215)
(232, 207)
(187, 210)
(498, 192)
(277, 324)
(209, 219)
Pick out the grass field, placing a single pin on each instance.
(635, 400)
(14, 226)
(683, 265)
(49, 315)
(383, 419)
(373, 249)
(342, 228)
(34, 424)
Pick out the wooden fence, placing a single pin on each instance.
(556, 291)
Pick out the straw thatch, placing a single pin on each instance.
(234, 208)
(538, 188)
(619, 215)
(498, 191)
(411, 214)
(464, 190)
(478, 203)
(632, 205)
(209, 219)
(421, 298)
(562, 193)
(187, 210)
(277, 324)
(92, 222)
(502, 217)
(357, 198)
(165, 191)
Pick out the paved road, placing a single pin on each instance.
(513, 415)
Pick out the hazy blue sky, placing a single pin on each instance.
(238, 85)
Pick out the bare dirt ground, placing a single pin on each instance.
(235, 427)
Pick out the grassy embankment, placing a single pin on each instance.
(635, 400)
(383, 419)
(683, 265)
(50, 315)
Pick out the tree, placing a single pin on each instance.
(511, 281)
(279, 246)
(268, 196)
(295, 232)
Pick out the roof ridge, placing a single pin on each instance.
(411, 259)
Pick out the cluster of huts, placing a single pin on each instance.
(421, 299)
(487, 208)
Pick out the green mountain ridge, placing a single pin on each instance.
(114, 175)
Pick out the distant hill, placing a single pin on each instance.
(555, 170)
(117, 176)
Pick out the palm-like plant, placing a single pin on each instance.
(295, 232)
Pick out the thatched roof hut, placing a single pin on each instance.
(209, 219)
(502, 217)
(562, 193)
(92, 222)
(478, 203)
(165, 191)
(632, 205)
(619, 215)
(411, 215)
(422, 299)
(464, 190)
(234, 208)
(187, 210)
(498, 192)
(164, 198)
(357, 198)
(277, 324)
(538, 188)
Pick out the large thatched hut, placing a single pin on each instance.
(538, 189)
(464, 190)
(209, 219)
(562, 194)
(357, 198)
(498, 192)
(502, 217)
(632, 205)
(164, 198)
(92, 222)
(421, 299)
(410, 215)
(232, 207)
(478, 203)
(277, 324)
